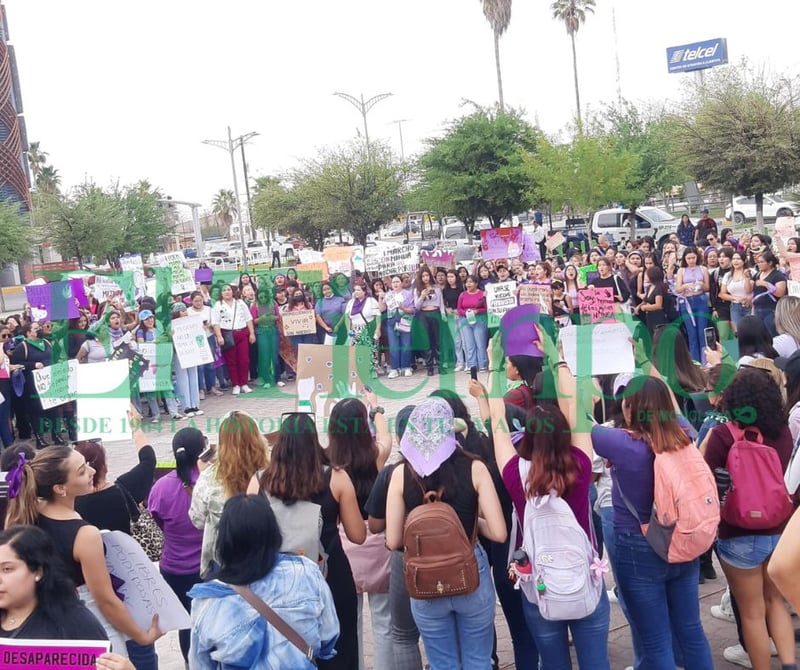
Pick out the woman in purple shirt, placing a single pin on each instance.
(169, 503)
(560, 459)
(692, 284)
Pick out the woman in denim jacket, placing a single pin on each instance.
(227, 632)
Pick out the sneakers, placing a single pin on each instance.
(202, 395)
(394, 374)
(718, 612)
(737, 656)
(281, 384)
(236, 390)
(408, 372)
(246, 389)
(178, 416)
(216, 392)
(612, 595)
(458, 368)
(193, 411)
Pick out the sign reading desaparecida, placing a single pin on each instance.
(51, 654)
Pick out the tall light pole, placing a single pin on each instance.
(198, 235)
(231, 145)
(400, 123)
(363, 107)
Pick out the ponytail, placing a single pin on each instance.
(36, 481)
(23, 508)
(184, 465)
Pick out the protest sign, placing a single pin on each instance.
(141, 587)
(793, 287)
(204, 275)
(151, 287)
(596, 303)
(587, 274)
(24, 654)
(306, 256)
(191, 342)
(327, 373)
(51, 301)
(499, 243)
(156, 371)
(392, 260)
(182, 278)
(540, 295)
(56, 384)
(118, 286)
(438, 258)
(133, 263)
(339, 260)
(555, 240)
(597, 349)
(104, 398)
(500, 297)
(320, 268)
(302, 322)
(78, 289)
(530, 249)
(785, 227)
(358, 258)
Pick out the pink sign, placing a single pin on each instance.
(436, 258)
(499, 243)
(51, 654)
(530, 250)
(596, 303)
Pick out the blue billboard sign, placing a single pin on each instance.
(697, 56)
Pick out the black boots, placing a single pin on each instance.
(40, 443)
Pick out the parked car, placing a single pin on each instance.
(744, 208)
(651, 221)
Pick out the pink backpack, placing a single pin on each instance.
(757, 498)
(685, 514)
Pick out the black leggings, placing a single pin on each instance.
(430, 322)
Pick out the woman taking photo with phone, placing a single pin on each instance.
(429, 303)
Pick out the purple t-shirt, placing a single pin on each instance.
(577, 498)
(169, 504)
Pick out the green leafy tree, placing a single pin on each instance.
(739, 132)
(573, 14)
(37, 159)
(146, 219)
(480, 167)
(15, 231)
(271, 204)
(48, 181)
(498, 14)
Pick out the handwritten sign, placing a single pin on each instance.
(540, 295)
(555, 240)
(436, 258)
(144, 591)
(104, 398)
(190, 342)
(51, 654)
(392, 260)
(596, 303)
(321, 268)
(182, 279)
(785, 227)
(302, 322)
(793, 287)
(156, 370)
(500, 298)
(133, 263)
(56, 384)
(597, 349)
(52, 301)
(499, 243)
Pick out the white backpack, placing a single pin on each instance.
(566, 579)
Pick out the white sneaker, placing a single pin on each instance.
(246, 389)
(737, 656)
(236, 390)
(393, 374)
(612, 596)
(202, 395)
(458, 368)
(281, 384)
(719, 612)
(199, 412)
(408, 372)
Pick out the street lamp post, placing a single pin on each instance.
(198, 235)
(230, 145)
(363, 107)
(400, 123)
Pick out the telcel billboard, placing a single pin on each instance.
(697, 56)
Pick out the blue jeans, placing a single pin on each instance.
(748, 551)
(181, 584)
(589, 635)
(662, 598)
(399, 345)
(454, 326)
(738, 312)
(695, 323)
(475, 337)
(186, 384)
(767, 315)
(458, 632)
(405, 636)
(142, 657)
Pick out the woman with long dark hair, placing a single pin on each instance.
(362, 315)
(429, 303)
(755, 341)
(692, 285)
(769, 285)
(452, 290)
(654, 304)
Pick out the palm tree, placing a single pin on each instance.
(223, 206)
(498, 14)
(48, 180)
(36, 160)
(573, 14)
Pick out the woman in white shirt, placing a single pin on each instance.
(206, 374)
(363, 318)
(737, 288)
(233, 323)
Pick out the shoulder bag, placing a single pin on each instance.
(144, 528)
(276, 620)
(227, 335)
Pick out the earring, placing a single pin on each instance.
(37, 578)
(64, 495)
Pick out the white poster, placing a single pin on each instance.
(190, 342)
(143, 590)
(56, 384)
(106, 288)
(500, 298)
(182, 278)
(604, 348)
(135, 265)
(104, 398)
(309, 256)
(793, 287)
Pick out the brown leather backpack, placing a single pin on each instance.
(439, 559)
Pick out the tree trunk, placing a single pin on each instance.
(499, 75)
(577, 89)
(760, 212)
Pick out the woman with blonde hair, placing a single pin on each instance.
(787, 323)
(241, 452)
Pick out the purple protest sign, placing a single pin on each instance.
(499, 243)
(52, 301)
(79, 292)
(51, 654)
(530, 250)
(436, 258)
(203, 275)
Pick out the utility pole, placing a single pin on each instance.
(400, 123)
(363, 107)
(198, 234)
(230, 145)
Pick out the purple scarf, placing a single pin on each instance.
(358, 306)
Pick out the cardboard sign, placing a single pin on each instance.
(51, 654)
(786, 227)
(302, 322)
(793, 287)
(56, 384)
(540, 295)
(327, 373)
(104, 398)
(500, 298)
(499, 243)
(530, 249)
(596, 303)
(554, 241)
(133, 263)
(143, 590)
(52, 301)
(190, 342)
(436, 258)
(156, 371)
(321, 268)
(182, 278)
(597, 349)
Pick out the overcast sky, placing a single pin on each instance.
(127, 90)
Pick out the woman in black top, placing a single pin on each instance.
(608, 280)
(768, 287)
(452, 289)
(654, 306)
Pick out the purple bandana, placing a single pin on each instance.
(429, 439)
(14, 477)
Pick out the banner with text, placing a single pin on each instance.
(497, 243)
(500, 298)
(25, 654)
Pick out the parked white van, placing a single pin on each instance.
(650, 221)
